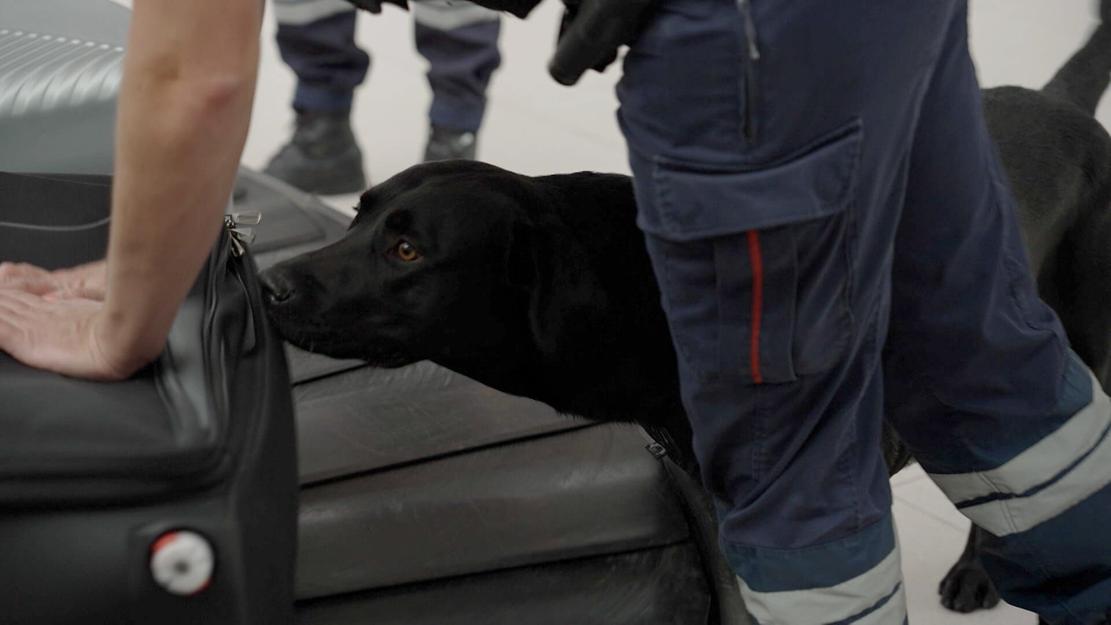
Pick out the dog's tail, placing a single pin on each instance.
(1084, 78)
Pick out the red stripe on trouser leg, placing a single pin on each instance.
(757, 302)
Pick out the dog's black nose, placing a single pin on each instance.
(276, 287)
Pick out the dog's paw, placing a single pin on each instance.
(967, 588)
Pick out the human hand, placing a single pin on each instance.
(375, 6)
(65, 335)
(86, 281)
(591, 33)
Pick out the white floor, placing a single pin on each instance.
(534, 126)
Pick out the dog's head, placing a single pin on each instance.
(440, 263)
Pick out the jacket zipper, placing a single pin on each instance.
(749, 78)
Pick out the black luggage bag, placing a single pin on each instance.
(168, 498)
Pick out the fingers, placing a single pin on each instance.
(65, 286)
(22, 313)
(82, 282)
(54, 335)
(25, 277)
(36, 286)
(79, 291)
(11, 337)
(9, 271)
(591, 34)
(15, 336)
(16, 302)
(577, 50)
(20, 308)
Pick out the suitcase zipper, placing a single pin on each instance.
(231, 259)
(241, 236)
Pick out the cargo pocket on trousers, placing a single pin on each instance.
(755, 264)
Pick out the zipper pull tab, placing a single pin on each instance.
(249, 218)
(241, 237)
(750, 30)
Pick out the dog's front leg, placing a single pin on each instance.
(967, 587)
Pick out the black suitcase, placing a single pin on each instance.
(168, 498)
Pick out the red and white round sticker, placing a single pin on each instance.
(182, 562)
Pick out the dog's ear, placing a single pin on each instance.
(367, 200)
(567, 305)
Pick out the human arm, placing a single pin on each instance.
(184, 108)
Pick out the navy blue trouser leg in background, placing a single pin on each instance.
(316, 38)
(460, 43)
(810, 174)
(981, 384)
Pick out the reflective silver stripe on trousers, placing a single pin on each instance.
(438, 14)
(1043, 461)
(816, 606)
(301, 12)
(450, 14)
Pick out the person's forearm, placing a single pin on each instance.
(184, 109)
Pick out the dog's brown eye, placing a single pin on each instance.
(406, 252)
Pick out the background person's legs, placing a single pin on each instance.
(981, 383)
(460, 42)
(316, 38)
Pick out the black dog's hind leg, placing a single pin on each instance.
(967, 587)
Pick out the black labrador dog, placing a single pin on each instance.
(541, 286)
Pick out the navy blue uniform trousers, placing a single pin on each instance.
(316, 38)
(835, 243)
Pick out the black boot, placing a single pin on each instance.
(321, 157)
(445, 144)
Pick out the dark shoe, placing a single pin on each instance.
(445, 144)
(321, 157)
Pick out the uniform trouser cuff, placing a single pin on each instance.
(312, 98)
(855, 579)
